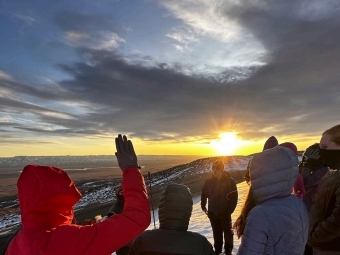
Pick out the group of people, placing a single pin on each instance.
(290, 208)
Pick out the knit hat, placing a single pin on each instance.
(270, 143)
(291, 146)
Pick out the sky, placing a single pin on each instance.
(191, 77)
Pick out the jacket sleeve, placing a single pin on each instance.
(204, 195)
(106, 237)
(232, 196)
(255, 235)
(328, 229)
(135, 246)
(312, 179)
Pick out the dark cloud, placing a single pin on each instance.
(296, 92)
(16, 105)
(47, 91)
(65, 131)
(6, 124)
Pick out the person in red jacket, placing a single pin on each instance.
(47, 196)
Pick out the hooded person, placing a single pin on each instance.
(47, 196)
(298, 188)
(172, 237)
(324, 219)
(278, 223)
(270, 143)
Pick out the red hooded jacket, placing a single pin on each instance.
(47, 196)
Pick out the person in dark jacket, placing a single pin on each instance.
(270, 143)
(324, 217)
(221, 193)
(118, 208)
(312, 171)
(173, 237)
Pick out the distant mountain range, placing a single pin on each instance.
(21, 161)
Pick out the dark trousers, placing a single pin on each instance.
(220, 227)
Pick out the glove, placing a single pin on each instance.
(312, 153)
(125, 154)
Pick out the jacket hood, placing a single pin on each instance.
(273, 173)
(270, 143)
(175, 207)
(46, 196)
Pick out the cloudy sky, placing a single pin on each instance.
(176, 76)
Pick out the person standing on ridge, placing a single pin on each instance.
(221, 192)
(46, 198)
(324, 216)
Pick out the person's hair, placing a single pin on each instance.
(334, 132)
(240, 222)
(218, 164)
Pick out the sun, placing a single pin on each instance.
(227, 144)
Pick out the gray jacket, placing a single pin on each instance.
(278, 224)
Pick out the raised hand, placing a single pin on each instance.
(125, 154)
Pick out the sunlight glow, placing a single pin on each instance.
(227, 144)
